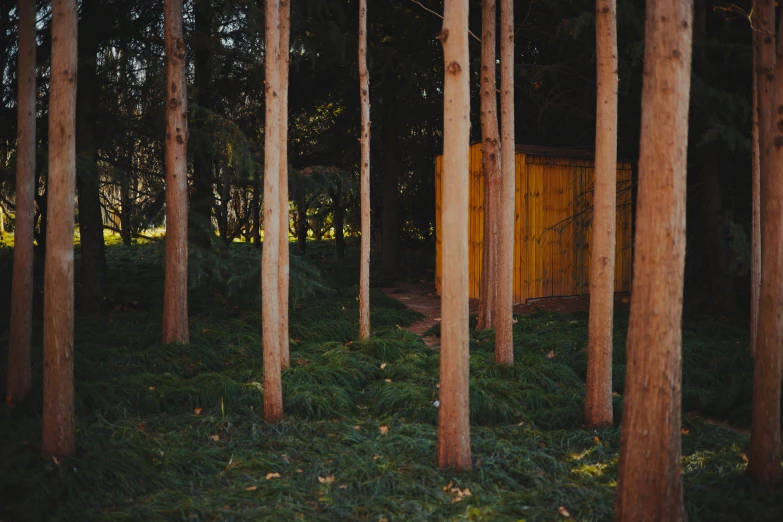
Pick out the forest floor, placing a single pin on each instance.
(423, 298)
(172, 432)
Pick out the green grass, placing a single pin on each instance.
(145, 454)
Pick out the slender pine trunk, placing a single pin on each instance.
(283, 269)
(59, 422)
(270, 263)
(764, 454)
(453, 450)
(598, 395)
(21, 327)
(490, 165)
(649, 484)
(364, 94)
(175, 297)
(504, 303)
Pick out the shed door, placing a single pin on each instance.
(554, 251)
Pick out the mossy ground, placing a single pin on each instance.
(176, 433)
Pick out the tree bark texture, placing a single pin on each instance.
(364, 93)
(504, 303)
(490, 164)
(175, 298)
(284, 269)
(21, 327)
(453, 450)
(649, 473)
(93, 255)
(598, 394)
(270, 262)
(59, 423)
(764, 454)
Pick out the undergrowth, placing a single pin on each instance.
(171, 432)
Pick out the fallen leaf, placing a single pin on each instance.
(684, 431)
(388, 380)
(326, 480)
(225, 508)
(456, 499)
(376, 457)
(384, 430)
(299, 471)
(383, 366)
(251, 488)
(204, 330)
(563, 511)
(343, 486)
(152, 388)
(466, 492)
(215, 437)
(270, 476)
(448, 487)
(197, 411)
(551, 354)
(542, 444)
(140, 426)
(55, 460)
(437, 319)
(597, 441)
(744, 457)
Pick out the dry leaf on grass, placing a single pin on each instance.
(551, 354)
(343, 486)
(326, 480)
(215, 437)
(251, 488)
(563, 511)
(597, 441)
(197, 411)
(383, 366)
(357, 427)
(384, 430)
(270, 476)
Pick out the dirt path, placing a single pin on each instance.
(423, 298)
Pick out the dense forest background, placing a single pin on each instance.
(120, 122)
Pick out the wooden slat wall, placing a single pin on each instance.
(552, 232)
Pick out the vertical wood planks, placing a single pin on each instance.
(552, 225)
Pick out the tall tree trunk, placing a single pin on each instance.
(598, 395)
(764, 455)
(59, 423)
(364, 96)
(200, 230)
(453, 417)
(490, 165)
(93, 265)
(504, 303)
(755, 191)
(283, 271)
(270, 264)
(175, 298)
(649, 475)
(21, 328)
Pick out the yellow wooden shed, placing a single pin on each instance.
(552, 222)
